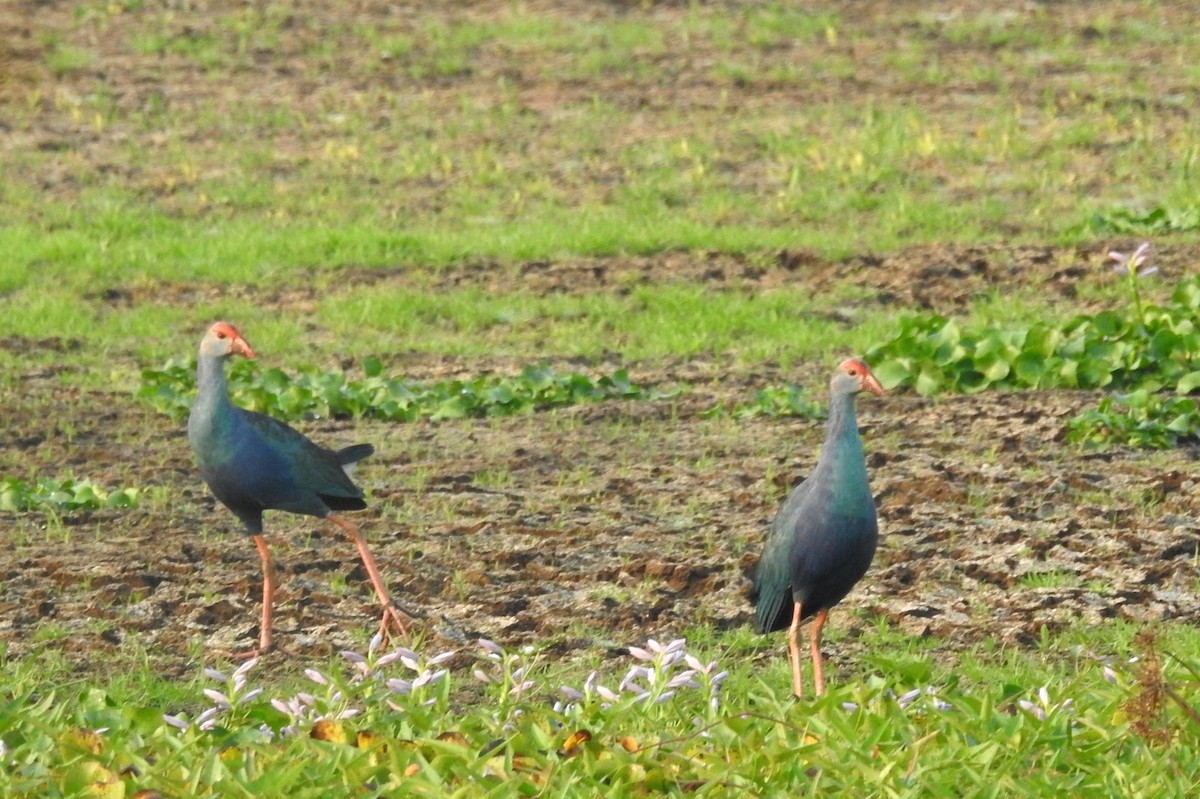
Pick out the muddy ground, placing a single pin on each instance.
(601, 525)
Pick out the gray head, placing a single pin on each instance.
(853, 376)
(223, 340)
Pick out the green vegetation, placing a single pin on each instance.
(62, 495)
(1140, 351)
(330, 394)
(667, 721)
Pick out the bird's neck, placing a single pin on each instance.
(212, 392)
(843, 449)
(843, 426)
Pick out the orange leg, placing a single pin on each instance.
(268, 609)
(814, 644)
(794, 652)
(390, 614)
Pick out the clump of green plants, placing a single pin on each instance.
(1137, 351)
(312, 393)
(1160, 219)
(774, 402)
(68, 494)
(779, 401)
(407, 722)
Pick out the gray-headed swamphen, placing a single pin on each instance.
(253, 462)
(824, 537)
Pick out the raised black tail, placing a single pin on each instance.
(354, 453)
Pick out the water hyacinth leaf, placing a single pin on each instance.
(333, 394)
(1029, 368)
(893, 373)
(929, 382)
(92, 779)
(994, 368)
(1188, 383)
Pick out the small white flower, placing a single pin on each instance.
(1125, 264)
(429, 677)
(250, 696)
(437, 660)
(399, 686)
(175, 721)
(491, 647)
(1033, 708)
(684, 678)
(208, 719)
(908, 698)
(218, 698)
(570, 693)
(481, 675)
(316, 676)
(241, 670)
(1110, 674)
(213, 674)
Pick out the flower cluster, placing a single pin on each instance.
(1133, 267)
(424, 673)
(1132, 264)
(235, 694)
(1044, 708)
(510, 670)
(651, 679)
(909, 699)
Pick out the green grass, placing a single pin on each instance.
(379, 176)
(990, 721)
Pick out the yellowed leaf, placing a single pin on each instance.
(80, 741)
(329, 730)
(574, 743)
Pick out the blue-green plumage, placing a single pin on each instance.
(824, 537)
(253, 463)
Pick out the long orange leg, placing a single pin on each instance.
(390, 614)
(814, 644)
(794, 652)
(268, 601)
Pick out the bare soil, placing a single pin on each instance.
(601, 525)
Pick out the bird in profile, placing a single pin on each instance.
(825, 534)
(253, 462)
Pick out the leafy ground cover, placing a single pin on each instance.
(705, 201)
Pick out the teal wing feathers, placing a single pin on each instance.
(772, 590)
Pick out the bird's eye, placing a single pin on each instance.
(220, 334)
